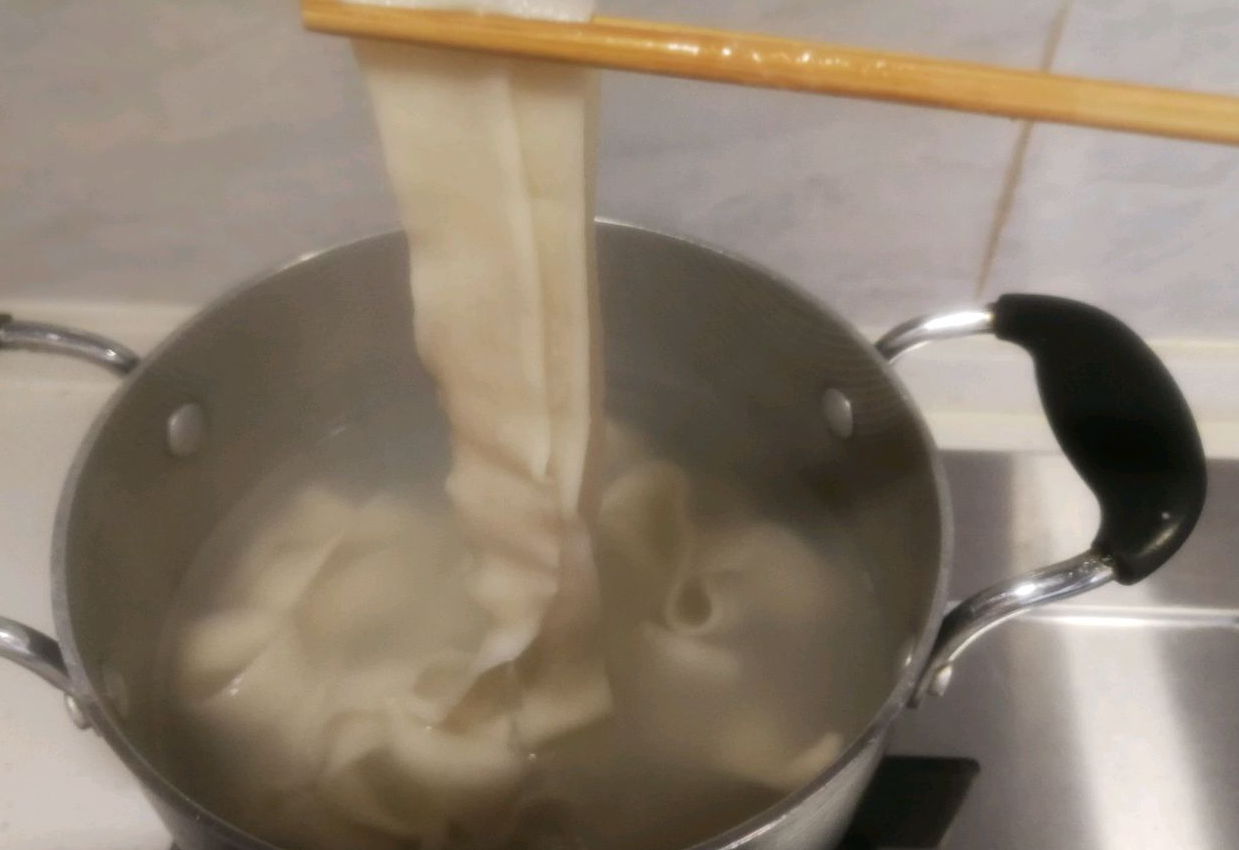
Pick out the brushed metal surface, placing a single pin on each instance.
(1105, 722)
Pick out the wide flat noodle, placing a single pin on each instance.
(296, 684)
(495, 201)
(713, 607)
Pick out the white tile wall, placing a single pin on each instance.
(164, 151)
(167, 152)
(1148, 228)
(881, 210)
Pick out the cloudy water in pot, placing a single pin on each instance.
(319, 624)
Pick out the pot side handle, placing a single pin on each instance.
(21, 644)
(1123, 423)
(55, 339)
(35, 651)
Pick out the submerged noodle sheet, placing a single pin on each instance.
(314, 685)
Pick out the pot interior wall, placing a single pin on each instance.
(713, 359)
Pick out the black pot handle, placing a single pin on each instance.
(1121, 420)
(1126, 428)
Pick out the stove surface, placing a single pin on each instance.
(1106, 722)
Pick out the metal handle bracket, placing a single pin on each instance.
(981, 612)
(54, 339)
(30, 648)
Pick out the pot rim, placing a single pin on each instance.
(103, 721)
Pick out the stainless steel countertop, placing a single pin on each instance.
(1106, 722)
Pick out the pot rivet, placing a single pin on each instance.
(837, 408)
(116, 691)
(75, 713)
(186, 429)
(941, 680)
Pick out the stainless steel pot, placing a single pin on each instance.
(715, 358)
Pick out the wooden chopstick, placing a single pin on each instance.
(783, 63)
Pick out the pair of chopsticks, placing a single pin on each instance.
(783, 63)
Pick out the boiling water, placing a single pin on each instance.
(741, 656)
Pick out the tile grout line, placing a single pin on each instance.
(1015, 167)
